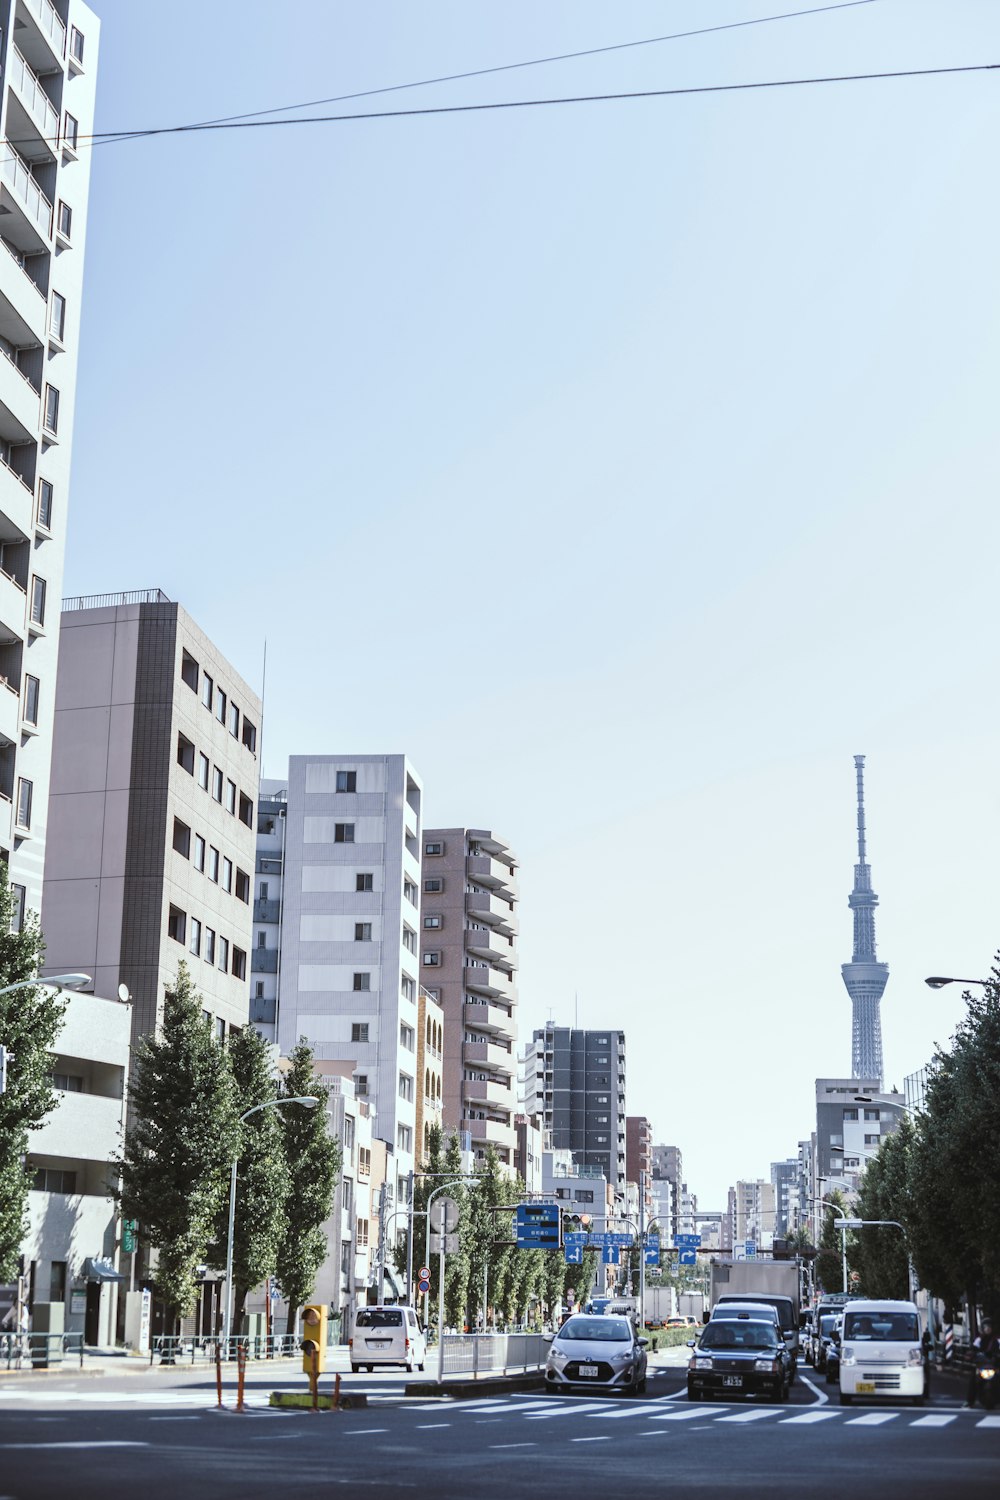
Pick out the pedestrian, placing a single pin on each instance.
(986, 1346)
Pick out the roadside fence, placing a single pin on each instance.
(493, 1353)
(178, 1349)
(40, 1350)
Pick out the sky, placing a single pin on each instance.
(629, 465)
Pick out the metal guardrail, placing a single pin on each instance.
(39, 1350)
(176, 1349)
(104, 601)
(493, 1353)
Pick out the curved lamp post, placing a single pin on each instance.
(310, 1103)
(938, 981)
(51, 981)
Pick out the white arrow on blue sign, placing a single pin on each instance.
(687, 1257)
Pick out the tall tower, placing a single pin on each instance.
(864, 977)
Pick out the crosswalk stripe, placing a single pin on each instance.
(936, 1419)
(684, 1415)
(754, 1414)
(565, 1410)
(873, 1419)
(623, 1411)
(988, 1422)
(809, 1416)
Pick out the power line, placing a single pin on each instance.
(460, 109)
(532, 62)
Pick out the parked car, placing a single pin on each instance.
(599, 1352)
(739, 1357)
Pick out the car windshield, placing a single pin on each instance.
(827, 1325)
(881, 1328)
(597, 1330)
(748, 1335)
(379, 1317)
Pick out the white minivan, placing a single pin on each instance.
(881, 1353)
(386, 1336)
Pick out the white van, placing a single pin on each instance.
(881, 1353)
(386, 1336)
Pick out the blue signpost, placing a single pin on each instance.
(687, 1257)
(537, 1226)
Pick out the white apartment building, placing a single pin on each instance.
(350, 924)
(751, 1214)
(71, 1249)
(48, 54)
(268, 876)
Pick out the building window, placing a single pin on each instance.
(185, 754)
(262, 940)
(57, 316)
(262, 890)
(207, 690)
(432, 922)
(870, 1114)
(359, 1031)
(18, 897)
(203, 771)
(54, 1180)
(407, 987)
(227, 874)
(182, 838)
(45, 503)
(364, 1161)
(64, 220)
(177, 924)
(249, 734)
(71, 130)
(32, 689)
(240, 964)
(51, 410)
(361, 1236)
(406, 1087)
(432, 960)
(363, 882)
(850, 1114)
(37, 600)
(234, 721)
(220, 706)
(189, 671)
(246, 810)
(195, 943)
(361, 1085)
(213, 864)
(362, 932)
(258, 989)
(199, 852)
(407, 1037)
(76, 45)
(409, 940)
(230, 796)
(409, 892)
(24, 792)
(343, 833)
(872, 1140)
(224, 954)
(434, 847)
(434, 885)
(217, 779)
(404, 1138)
(242, 885)
(209, 945)
(347, 781)
(362, 982)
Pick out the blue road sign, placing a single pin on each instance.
(686, 1241)
(609, 1255)
(574, 1254)
(423, 1285)
(536, 1226)
(751, 1250)
(687, 1257)
(651, 1255)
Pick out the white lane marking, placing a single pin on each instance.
(591, 1440)
(173, 1419)
(682, 1416)
(752, 1414)
(363, 1431)
(624, 1411)
(988, 1422)
(652, 1432)
(481, 1405)
(822, 1397)
(110, 1443)
(873, 1419)
(568, 1411)
(431, 1426)
(936, 1419)
(427, 1406)
(810, 1416)
(494, 1447)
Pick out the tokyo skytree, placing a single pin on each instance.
(864, 976)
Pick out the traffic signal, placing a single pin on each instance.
(574, 1223)
(313, 1344)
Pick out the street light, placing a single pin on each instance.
(309, 1102)
(938, 982)
(51, 981)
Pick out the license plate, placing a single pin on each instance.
(732, 1380)
(378, 1343)
(865, 1387)
(588, 1369)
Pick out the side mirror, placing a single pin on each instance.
(643, 1342)
(691, 1343)
(548, 1337)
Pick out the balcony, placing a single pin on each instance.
(17, 506)
(490, 1055)
(41, 34)
(483, 980)
(13, 609)
(19, 420)
(10, 712)
(486, 870)
(495, 1131)
(22, 301)
(267, 911)
(487, 1015)
(485, 1091)
(492, 911)
(486, 945)
(30, 227)
(33, 119)
(264, 960)
(90, 1122)
(6, 820)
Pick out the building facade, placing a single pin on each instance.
(349, 931)
(668, 1167)
(265, 954)
(639, 1157)
(853, 1115)
(150, 843)
(49, 64)
(575, 1083)
(785, 1181)
(430, 1080)
(751, 1214)
(468, 960)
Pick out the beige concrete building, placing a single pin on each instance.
(468, 960)
(150, 851)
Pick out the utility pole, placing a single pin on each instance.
(642, 1251)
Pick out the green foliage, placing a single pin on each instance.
(262, 1179)
(493, 1265)
(878, 1253)
(443, 1161)
(829, 1265)
(314, 1160)
(30, 1021)
(180, 1142)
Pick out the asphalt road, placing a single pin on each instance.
(160, 1433)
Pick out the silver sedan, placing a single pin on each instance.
(596, 1352)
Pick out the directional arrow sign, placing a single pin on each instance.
(687, 1257)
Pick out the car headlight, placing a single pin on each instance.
(915, 1357)
(771, 1365)
(847, 1355)
(987, 1372)
(701, 1362)
(557, 1357)
(622, 1357)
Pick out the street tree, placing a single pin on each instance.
(30, 1021)
(314, 1159)
(829, 1262)
(879, 1252)
(179, 1142)
(262, 1178)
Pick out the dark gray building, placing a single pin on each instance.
(575, 1083)
(668, 1166)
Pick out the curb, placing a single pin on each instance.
(464, 1389)
(303, 1401)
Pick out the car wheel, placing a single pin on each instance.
(355, 1369)
(641, 1387)
(845, 1399)
(370, 1368)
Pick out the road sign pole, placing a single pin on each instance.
(440, 1378)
